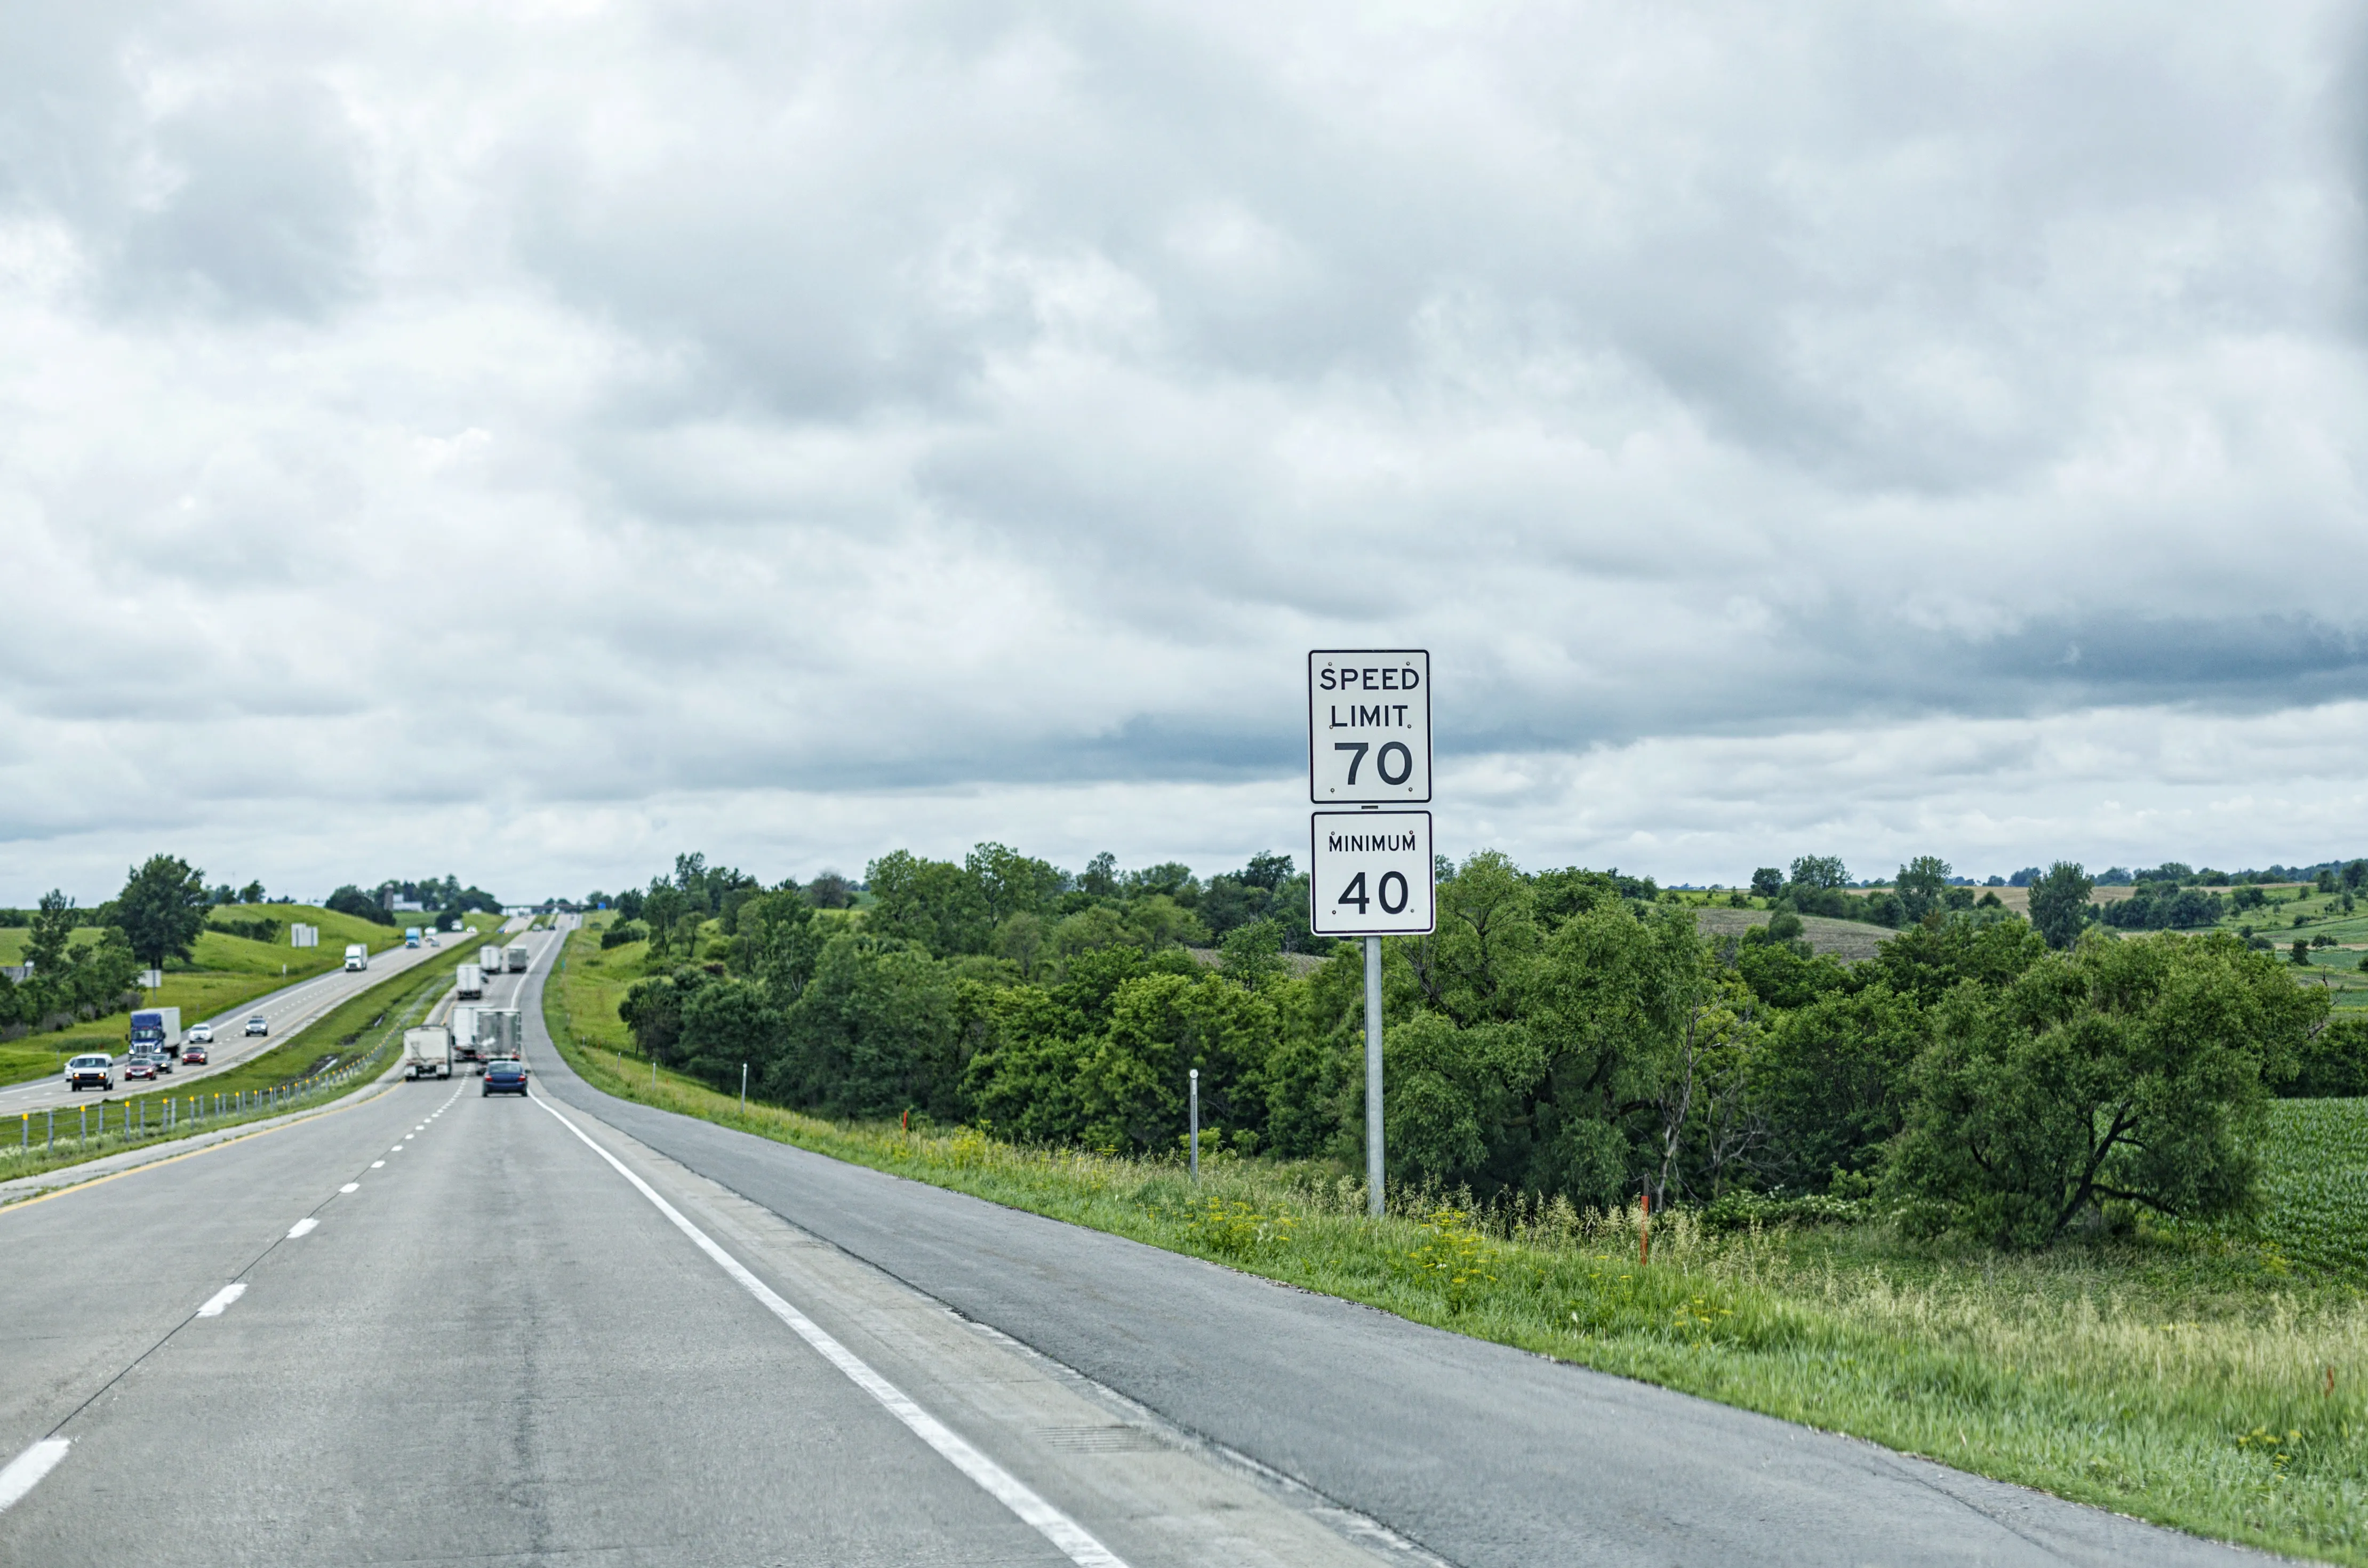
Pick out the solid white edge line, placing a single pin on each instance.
(223, 1297)
(1073, 1539)
(25, 1472)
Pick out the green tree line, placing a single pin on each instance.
(1564, 1032)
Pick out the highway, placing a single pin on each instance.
(430, 1326)
(287, 1010)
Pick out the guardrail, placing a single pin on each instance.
(44, 1134)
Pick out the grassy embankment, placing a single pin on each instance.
(351, 1042)
(225, 971)
(2212, 1379)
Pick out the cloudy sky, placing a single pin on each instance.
(525, 441)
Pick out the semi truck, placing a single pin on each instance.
(498, 1033)
(464, 1033)
(427, 1052)
(157, 1030)
(472, 981)
(357, 957)
(518, 961)
(411, 936)
(490, 959)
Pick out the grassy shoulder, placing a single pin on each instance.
(351, 1044)
(227, 971)
(2216, 1382)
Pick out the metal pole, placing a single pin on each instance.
(1373, 1076)
(1196, 1124)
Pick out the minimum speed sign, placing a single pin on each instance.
(1370, 874)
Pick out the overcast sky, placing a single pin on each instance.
(527, 441)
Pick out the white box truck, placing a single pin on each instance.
(490, 959)
(518, 961)
(464, 1033)
(357, 957)
(427, 1052)
(471, 982)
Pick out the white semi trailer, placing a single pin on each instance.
(471, 982)
(518, 961)
(490, 959)
(427, 1052)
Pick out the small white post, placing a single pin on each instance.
(1196, 1124)
(744, 1088)
(1373, 1076)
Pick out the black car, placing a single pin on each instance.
(504, 1075)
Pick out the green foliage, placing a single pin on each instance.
(351, 900)
(2130, 1071)
(1832, 1083)
(2333, 1063)
(162, 908)
(623, 933)
(2059, 903)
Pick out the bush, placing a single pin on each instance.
(623, 932)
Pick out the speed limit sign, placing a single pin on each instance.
(1370, 874)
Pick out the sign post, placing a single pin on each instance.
(1370, 869)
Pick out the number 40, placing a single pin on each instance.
(1355, 893)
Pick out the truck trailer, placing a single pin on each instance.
(158, 1029)
(471, 982)
(490, 959)
(464, 1033)
(427, 1052)
(518, 961)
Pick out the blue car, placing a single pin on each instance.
(504, 1075)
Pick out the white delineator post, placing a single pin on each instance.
(1196, 1123)
(1373, 1076)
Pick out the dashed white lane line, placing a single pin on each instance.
(221, 1299)
(378, 1164)
(351, 1187)
(303, 1227)
(1073, 1541)
(25, 1472)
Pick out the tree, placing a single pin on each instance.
(53, 924)
(251, 893)
(1821, 871)
(829, 891)
(351, 900)
(1767, 883)
(161, 909)
(2059, 903)
(1100, 879)
(2129, 1071)
(2355, 875)
(1923, 884)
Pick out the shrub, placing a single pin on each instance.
(622, 933)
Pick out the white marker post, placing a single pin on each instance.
(1370, 870)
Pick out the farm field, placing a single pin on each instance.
(1849, 940)
(2212, 1379)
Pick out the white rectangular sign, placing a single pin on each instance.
(1369, 726)
(1370, 874)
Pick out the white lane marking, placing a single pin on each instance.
(221, 1299)
(351, 1187)
(25, 1472)
(1071, 1538)
(378, 1164)
(303, 1227)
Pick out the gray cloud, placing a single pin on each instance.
(935, 408)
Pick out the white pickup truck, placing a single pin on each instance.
(427, 1052)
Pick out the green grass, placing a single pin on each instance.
(2216, 1382)
(351, 1042)
(226, 972)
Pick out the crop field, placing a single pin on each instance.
(1849, 940)
(2212, 1378)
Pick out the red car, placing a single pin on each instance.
(193, 1056)
(140, 1067)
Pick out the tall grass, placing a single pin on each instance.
(2207, 1382)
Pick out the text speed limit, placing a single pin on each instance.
(1369, 873)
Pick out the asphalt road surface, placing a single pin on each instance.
(432, 1325)
(287, 1010)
